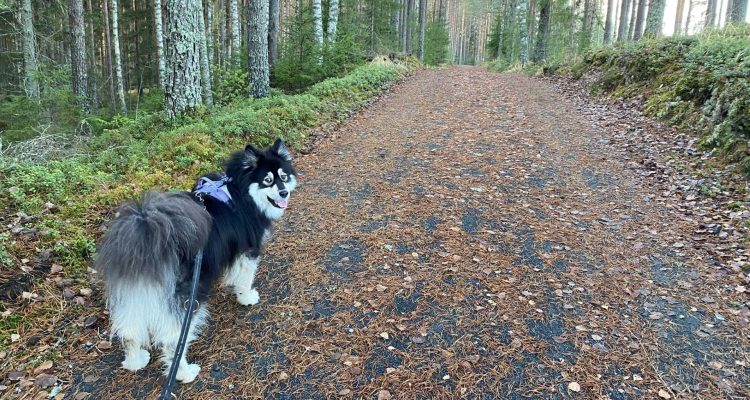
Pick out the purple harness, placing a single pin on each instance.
(216, 189)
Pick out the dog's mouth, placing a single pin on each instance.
(278, 203)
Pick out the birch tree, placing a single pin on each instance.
(737, 11)
(235, 44)
(118, 57)
(108, 49)
(79, 74)
(333, 19)
(711, 13)
(422, 23)
(182, 89)
(257, 32)
(678, 17)
(28, 38)
(318, 22)
(205, 65)
(159, 33)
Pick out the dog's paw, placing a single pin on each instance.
(248, 297)
(188, 373)
(136, 360)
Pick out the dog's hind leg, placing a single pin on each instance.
(168, 338)
(240, 276)
(131, 325)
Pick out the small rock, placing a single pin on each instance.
(16, 375)
(664, 394)
(283, 376)
(385, 335)
(656, 315)
(344, 392)
(418, 339)
(86, 292)
(384, 395)
(90, 321)
(596, 337)
(715, 365)
(574, 386)
(381, 288)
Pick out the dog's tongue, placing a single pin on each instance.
(282, 203)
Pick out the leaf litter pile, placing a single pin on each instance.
(469, 235)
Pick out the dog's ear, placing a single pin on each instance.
(250, 157)
(281, 150)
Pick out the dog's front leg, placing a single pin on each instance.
(240, 276)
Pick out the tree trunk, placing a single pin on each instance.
(655, 17)
(182, 91)
(208, 97)
(318, 22)
(209, 8)
(610, 20)
(737, 11)
(540, 52)
(118, 59)
(79, 81)
(687, 17)
(711, 13)
(257, 33)
(333, 19)
(640, 19)
(409, 8)
(622, 32)
(678, 17)
(234, 46)
(422, 23)
(28, 37)
(159, 33)
(108, 48)
(93, 93)
(274, 13)
(523, 31)
(222, 33)
(573, 26)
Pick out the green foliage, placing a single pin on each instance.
(698, 83)
(5, 260)
(436, 43)
(128, 155)
(230, 85)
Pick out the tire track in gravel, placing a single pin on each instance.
(469, 235)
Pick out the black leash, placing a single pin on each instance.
(166, 393)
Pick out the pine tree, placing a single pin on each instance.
(711, 13)
(79, 82)
(108, 49)
(182, 91)
(28, 37)
(257, 32)
(609, 21)
(540, 51)
(92, 76)
(737, 11)
(118, 58)
(640, 19)
(235, 44)
(273, 31)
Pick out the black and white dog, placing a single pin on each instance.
(146, 257)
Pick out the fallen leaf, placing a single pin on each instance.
(43, 367)
(574, 386)
(381, 288)
(384, 395)
(418, 339)
(344, 392)
(664, 394)
(385, 335)
(283, 376)
(45, 380)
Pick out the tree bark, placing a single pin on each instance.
(79, 80)
(422, 23)
(222, 33)
(609, 22)
(333, 19)
(209, 8)
(622, 32)
(711, 13)
(108, 49)
(687, 17)
(118, 57)
(738, 11)
(208, 97)
(640, 19)
(257, 30)
(28, 37)
(318, 22)
(678, 17)
(655, 17)
(93, 92)
(234, 46)
(407, 25)
(274, 19)
(523, 31)
(540, 52)
(159, 33)
(182, 91)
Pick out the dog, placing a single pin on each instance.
(146, 256)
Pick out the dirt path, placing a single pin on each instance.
(470, 235)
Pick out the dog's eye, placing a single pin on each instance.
(268, 180)
(283, 178)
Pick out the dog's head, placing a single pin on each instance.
(266, 175)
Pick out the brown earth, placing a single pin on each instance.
(469, 235)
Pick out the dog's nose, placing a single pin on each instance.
(283, 194)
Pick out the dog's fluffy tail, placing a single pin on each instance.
(150, 239)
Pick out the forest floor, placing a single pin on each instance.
(485, 236)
